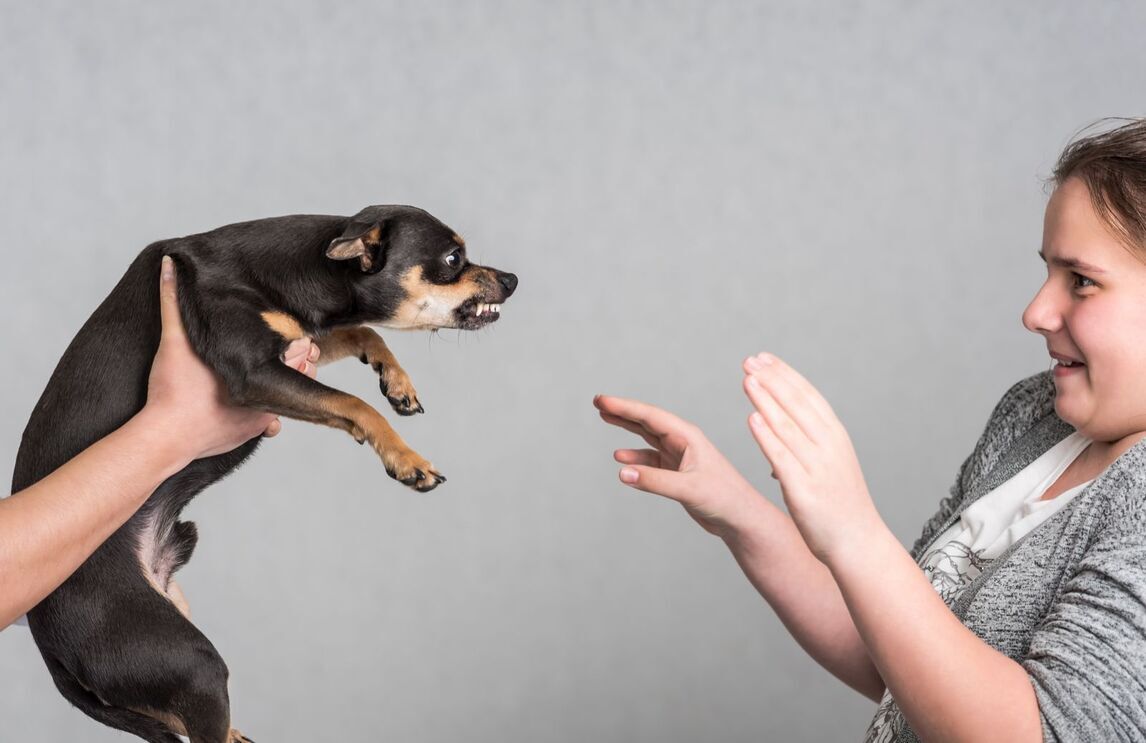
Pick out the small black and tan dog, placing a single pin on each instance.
(116, 643)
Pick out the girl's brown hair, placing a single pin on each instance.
(1112, 163)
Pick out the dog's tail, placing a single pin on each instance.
(129, 721)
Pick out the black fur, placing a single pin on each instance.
(112, 643)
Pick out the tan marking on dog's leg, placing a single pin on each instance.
(341, 343)
(167, 718)
(366, 345)
(175, 593)
(365, 423)
(283, 324)
(237, 737)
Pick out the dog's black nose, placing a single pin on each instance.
(508, 280)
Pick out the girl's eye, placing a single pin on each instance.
(454, 259)
(1079, 279)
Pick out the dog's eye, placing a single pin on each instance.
(454, 259)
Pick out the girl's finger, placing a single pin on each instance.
(631, 427)
(775, 417)
(784, 463)
(652, 418)
(790, 397)
(815, 399)
(668, 483)
(647, 457)
(273, 428)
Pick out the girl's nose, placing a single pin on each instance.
(1043, 315)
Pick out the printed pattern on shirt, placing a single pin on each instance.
(950, 569)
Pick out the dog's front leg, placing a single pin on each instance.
(369, 348)
(278, 389)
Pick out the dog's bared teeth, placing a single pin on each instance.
(482, 308)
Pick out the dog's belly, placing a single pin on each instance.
(157, 553)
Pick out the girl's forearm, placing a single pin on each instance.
(950, 685)
(802, 592)
(48, 529)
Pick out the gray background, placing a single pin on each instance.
(856, 188)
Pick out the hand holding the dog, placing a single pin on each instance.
(683, 465)
(812, 457)
(190, 400)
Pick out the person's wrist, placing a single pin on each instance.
(744, 522)
(165, 440)
(870, 536)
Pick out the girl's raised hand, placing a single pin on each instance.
(812, 457)
(682, 464)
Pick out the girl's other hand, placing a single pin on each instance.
(682, 465)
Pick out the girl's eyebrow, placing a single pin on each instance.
(1072, 264)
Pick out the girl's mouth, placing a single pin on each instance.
(1067, 368)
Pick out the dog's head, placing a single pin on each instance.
(411, 272)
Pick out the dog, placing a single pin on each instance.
(118, 645)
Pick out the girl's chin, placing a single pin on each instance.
(1063, 409)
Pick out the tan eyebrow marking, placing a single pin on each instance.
(1072, 264)
(458, 239)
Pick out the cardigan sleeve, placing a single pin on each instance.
(1087, 658)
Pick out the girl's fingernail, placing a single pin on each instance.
(766, 358)
(756, 420)
(752, 363)
(628, 475)
(753, 383)
(168, 269)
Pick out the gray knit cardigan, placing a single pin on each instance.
(1068, 601)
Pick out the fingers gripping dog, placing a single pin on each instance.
(113, 635)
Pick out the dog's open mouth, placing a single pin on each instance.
(473, 314)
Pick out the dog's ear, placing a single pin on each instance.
(366, 242)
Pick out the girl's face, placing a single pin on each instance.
(1092, 311)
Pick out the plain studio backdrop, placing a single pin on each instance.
(856, 188)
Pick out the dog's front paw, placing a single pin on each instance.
(411, 469)
(237, 737)
(399, 391)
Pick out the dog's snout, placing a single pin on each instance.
(507, 280)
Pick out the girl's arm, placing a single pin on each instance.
(684, 466)
(950, 685)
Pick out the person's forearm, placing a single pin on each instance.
(950, 685)
(802, 592)
(48, 529)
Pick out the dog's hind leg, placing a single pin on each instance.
(147, 670)
(145, 726)
(200, 699)
(369, 348)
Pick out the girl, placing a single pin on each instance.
(1020, 612)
